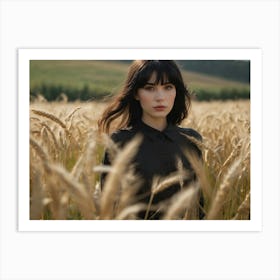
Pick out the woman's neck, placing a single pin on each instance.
(159, 123)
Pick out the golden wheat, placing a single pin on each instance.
(66, 162)
(113, 181)
(182, 202)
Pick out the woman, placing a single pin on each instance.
(153, 102)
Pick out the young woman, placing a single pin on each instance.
(153, 102)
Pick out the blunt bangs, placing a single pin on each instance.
(165, 70)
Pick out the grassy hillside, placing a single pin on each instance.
(105, 75)
(85, 79)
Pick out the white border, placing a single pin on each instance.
(254, 55)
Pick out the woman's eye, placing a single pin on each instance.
(169, 87)
(149, 88)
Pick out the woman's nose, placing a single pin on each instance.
(159, 94)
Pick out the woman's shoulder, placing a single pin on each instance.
(123, 135)
(191, 132)
(194, 139)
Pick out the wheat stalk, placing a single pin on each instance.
(198, 166)
(128, 192)
(37, 197)
(72, 114)
(50, 116)
(114, 178)
(56, 120)
(129, 211)
(160, 184)
(41, 153)
(244, 208)
(79, 192)
(56, 147)
(180, 202)
(223, 190)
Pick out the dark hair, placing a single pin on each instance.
(128, 108)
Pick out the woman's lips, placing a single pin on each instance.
(159, 108)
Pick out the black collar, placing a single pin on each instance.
(169, 132)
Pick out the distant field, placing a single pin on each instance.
(107, 77)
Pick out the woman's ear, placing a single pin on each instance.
(136, 96)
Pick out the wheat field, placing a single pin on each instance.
(66, 153)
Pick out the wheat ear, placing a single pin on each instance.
(244, 208)
(49, 116)
(181, 202)
(52, 135)
(199, 169)
(222, 191)
(113, 180)
(55, 119)
(41, 153)
(159, 185)
(79, 192)
(72, 113)
(131, 210)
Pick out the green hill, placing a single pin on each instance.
(88, 80)
(235, 70)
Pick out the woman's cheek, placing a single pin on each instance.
(172, 99)
(145, 99)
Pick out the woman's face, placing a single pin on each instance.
(156, 100)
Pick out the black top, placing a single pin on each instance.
(157, 155)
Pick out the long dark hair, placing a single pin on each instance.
(126, 107)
